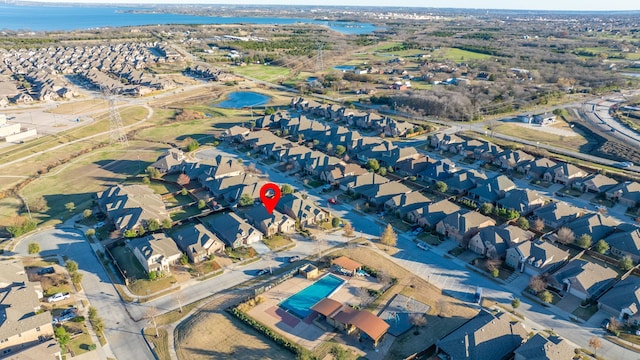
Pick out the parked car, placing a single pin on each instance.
(58, 297)
(47, 270)
(605, 324)
(294, 258)
(332, 201)
(99, 225)
(416, 231)
(422, 245)
(262, 272)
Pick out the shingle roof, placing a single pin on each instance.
(128, 205)
(484, 337)
(596, 225)
(18, 301)
(541, 348)
(155, 244)
(628, 241)
(625, 294)
(541, 254)
(586, 276)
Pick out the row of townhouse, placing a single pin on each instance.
(360, 119)
(627, 193)
(44, 69)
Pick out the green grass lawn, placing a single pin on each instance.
(585, 313)
(461, 55)
(128, 262)
(144, 287)
(276, 241)
(430, 239)
(185, 213)
(178, 200)
(262, 72)
(80, 344)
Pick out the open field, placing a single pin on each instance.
(262, 72)
(213, 334)
(81, 107)
(459, 55)
(568, 142)
(97, 170)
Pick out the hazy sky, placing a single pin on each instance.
(483, 4)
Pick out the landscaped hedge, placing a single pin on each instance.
(300, 352)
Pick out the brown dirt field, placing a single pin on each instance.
(213, 334)
(441, 320)
(80, 107)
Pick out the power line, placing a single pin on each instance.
(116, 130)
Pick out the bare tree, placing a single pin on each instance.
(383, 277)
(183, 179)
(364, 296)
(537, 284)
(348, 229)
(614, 324)
(595, 343)
(565, 235)
(538, 224)
(418, 321)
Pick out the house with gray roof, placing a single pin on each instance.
(463, 181)
(428, 216)
(557, 214)
(583, 279)
(333, 174)
(486, 336)
(522, 200)
(493, 241)
(171, 161)
(22, 322)
(412, 166)
(625, 243)
(627, 193)
(597, 225)
(535, 257)
(462, 225)
(595, 183)
(491, 190)
(564, 173)
(361, 183)
(155, 252)
(438, 171)
(623, 301)
(300, 209)
(379, 194)
(536, 168)
(270, 224)
(131, 206)
(197, 241)
(509, 159)
(545, 348)
(232, 229)
(404, 203)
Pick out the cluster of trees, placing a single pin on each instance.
(72, 268)
(151, 225)
(21, 225)
(187, 115)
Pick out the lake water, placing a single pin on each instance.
(240, 99)
(50, 18)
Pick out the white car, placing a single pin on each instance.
(58, 297)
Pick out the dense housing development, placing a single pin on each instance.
(319, 182)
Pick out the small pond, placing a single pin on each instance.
(241, 99)
(345, 67)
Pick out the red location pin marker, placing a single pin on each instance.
(270, 195)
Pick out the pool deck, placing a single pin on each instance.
(303, 331)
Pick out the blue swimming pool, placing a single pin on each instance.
(301, 302)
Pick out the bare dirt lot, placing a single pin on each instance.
(214, 334)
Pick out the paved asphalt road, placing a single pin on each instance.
(125, 338)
